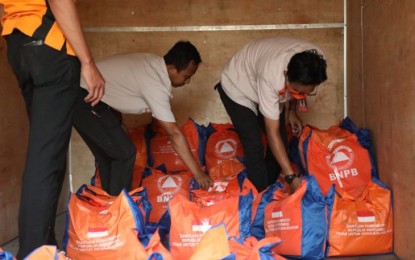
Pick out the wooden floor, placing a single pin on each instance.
(13, 245)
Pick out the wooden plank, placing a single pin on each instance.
(216, 48)
(387, 102)
(200, 12)
(198, 100)
(13, 143)
(354, 64)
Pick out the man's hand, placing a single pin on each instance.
(182, 148)
(204, 180)
(295, 184)
(66, 16)
(94, 81)
(295, 123)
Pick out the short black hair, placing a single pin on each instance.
(181, 54)
(307, 68)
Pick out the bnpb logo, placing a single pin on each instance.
(341, 157)
(226, 148)
(169, 184)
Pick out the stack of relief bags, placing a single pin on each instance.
(340, 209)
(165, 215)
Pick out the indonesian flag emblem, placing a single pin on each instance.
(365, 216)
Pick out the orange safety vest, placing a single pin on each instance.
(34, 18)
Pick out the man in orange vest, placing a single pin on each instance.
(48, 54)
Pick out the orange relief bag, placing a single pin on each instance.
(258, 209)
(141, 199)
(363, 225)
(226, 169)
(96, 179)
(190, 221)
(162, 187)
(252, 249)
(137, 136)
(223, 148)
(100, 229)
(299, 220)
(156, 250)
(224, 189)
(97, 196)
(305, 134)
(213, 245)
(219, 191)
(162, 152)
(335, 156)
(45, 253)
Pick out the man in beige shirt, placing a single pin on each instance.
(136, 83)
(255, 84)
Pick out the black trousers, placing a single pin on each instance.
(110, 144)
(262, 170)
(49, 82)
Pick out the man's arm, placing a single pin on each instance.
(182, 148)
(66, 16)
(293, 119)
(278, 149)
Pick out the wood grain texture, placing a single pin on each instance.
(13, 143)
(198, 99)
(382, 99)
(200, 12)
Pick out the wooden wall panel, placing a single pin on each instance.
(384, 86)
(201, 12)
(355, 101)
(13, 143)
(82, 162)
(198, 99)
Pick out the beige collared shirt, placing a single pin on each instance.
(137, 83)
(255, 74)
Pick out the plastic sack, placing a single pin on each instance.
(258, 209)
(363, 225)
(156, 250)
(46, 252)
(162, 187)
(252, 249)
(98, 197)
(189, 221)
(335, 156)
(223, 148)
(161, 151)
(103, 228)
(213, 245)
(224, 189)
(299, 220)
(137, 136)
